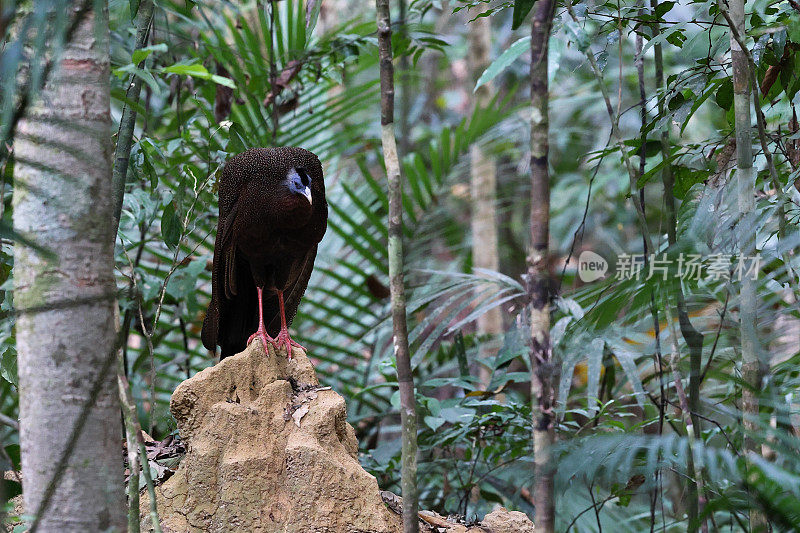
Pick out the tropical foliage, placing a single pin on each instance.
(650, 420)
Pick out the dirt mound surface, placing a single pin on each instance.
(268, 450)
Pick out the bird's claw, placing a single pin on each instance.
(284, 340)
(265, 339)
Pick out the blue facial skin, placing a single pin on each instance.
(299, 182)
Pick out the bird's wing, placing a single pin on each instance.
(238, 316)
(210, 326)
(223, 278)
(227, 252)
(211, 322)
(293, 292)
(234, 296)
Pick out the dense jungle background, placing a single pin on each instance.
(675, 395)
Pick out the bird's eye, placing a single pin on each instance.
(305, 179)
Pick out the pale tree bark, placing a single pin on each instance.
(483, 186)
(544, 369)
(69, 409)
(745, 186)
(405, 379)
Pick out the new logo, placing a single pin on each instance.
(591, 266)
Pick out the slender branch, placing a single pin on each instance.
(137, 454)
(130, 421)
(273, 71)
(582, 226)
(595, 507)
(760, 120)
(719, 426)
(615, 132)
(694, 484)
(127, 122)
(544, 367)
(151, 491)
(8, 421)
(405, 379)
(716, 337)
(743, 80)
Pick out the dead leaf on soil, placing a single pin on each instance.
(298, 407)
(299, 414)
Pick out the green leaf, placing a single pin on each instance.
(196, 70)
(141, 54)
(685, 178)
(170, 226)
(144, 74)
(11, 488)
(724, 96)
(663, 8)
(793, 28)
(676, 38)
(508, 56)
(456, 415)
(221, 80)
(8, 367)
(149, 170)
(434, 422)
(581, 39)
(12, 452)
(779, 43)
(521, 10)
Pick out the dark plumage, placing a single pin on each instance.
(267, 238)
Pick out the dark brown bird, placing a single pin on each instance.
(272, 215)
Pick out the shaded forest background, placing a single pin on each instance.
(649, 417)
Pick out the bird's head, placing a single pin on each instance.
(293, 196)
(285, 185)
(299, 185)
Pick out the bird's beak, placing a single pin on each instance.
(307, 194)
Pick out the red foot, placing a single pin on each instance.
(284, 340)
(265, 338)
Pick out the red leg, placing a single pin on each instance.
(283, 338)
(261, 332)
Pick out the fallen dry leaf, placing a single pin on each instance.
(299, 414)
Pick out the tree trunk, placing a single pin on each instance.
(65, 330)
(745, 185)
(544, 369)
(405, 379)
(483, 178)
